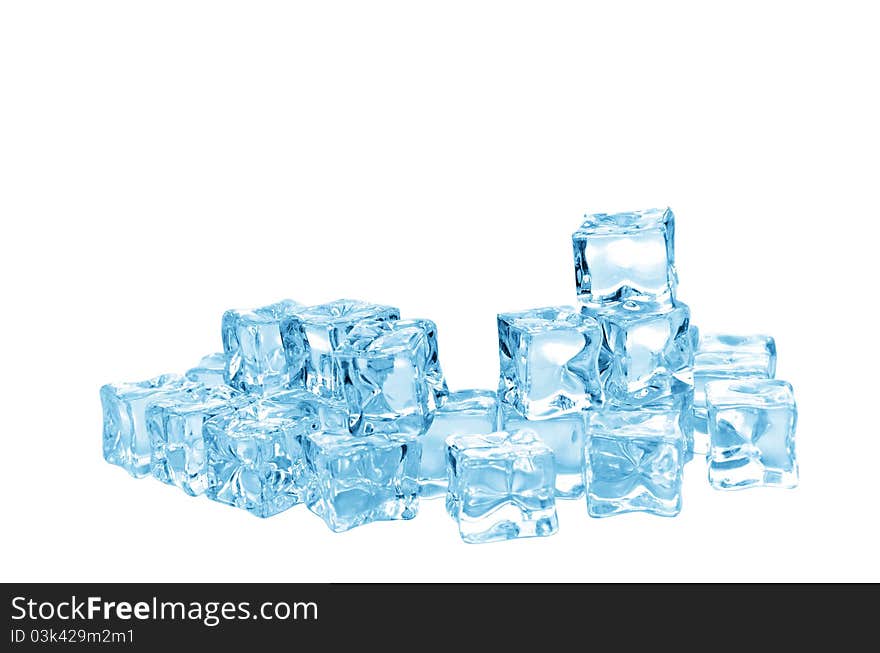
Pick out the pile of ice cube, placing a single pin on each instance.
(343, 406)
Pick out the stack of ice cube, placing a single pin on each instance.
(343, 407)
(608, 387)
(316, 405)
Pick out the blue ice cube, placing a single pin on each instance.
(391, 374)
(177, 434)
(210, 371)
(501, 486)
(252, 346)
(358, 480)
(255, 459)
(635, 460)
(752, 426)
(726, 357)
(626, 258)
(647, 353)
(549, 361)
(313, 334)
(126, 442)
(466, 412)
(566, 435)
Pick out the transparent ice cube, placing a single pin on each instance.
(359, 480)
(177, 434)
(626, 258)
(255, 459)
(752, 425)
(252, 345)
(210, 371)
(635, 460)
(501, 486)
(391, 375)
(466, 412)
(313, 334)
(126, 442)
(550, 363)
(722, 357)
(566, 435)
(647, 353)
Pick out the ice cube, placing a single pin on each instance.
(752, 425)
(501, 486)
(647, 353)
(313, 334)
(550, 363)
(391, 374)
(252, 345)
(466, 412)
(626, 258)
(255, 459)
(722, 357)
(566, 435)
(177, 434)
(635, 460)
(126, 442)
(210, 370)
(359, 480)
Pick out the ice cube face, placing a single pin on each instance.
(126, 442)
(566, 435)
(635, 460)
(501, 486)
(467, 412)
(255, 459)
(313, 334)
(252, 345)
(681, 407)
(626, 258)
(549, 361)
(722, 357)
(359, 480)
(752, 426)
(646, 354)
(391, 376)
(176, 427)
(210, 371)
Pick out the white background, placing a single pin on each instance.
(163, 161)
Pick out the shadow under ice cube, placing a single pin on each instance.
(255, 459)
(252, 346)
(625, 258)
(177, 435)
(501, 486)
(126, 442)
(549, 361)
(467, 412)
(722, 357)
(359, 480)
(392, 380)
(566, 435)
(313, 334)
(647, 353)
(752, 426)
(635, 460)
